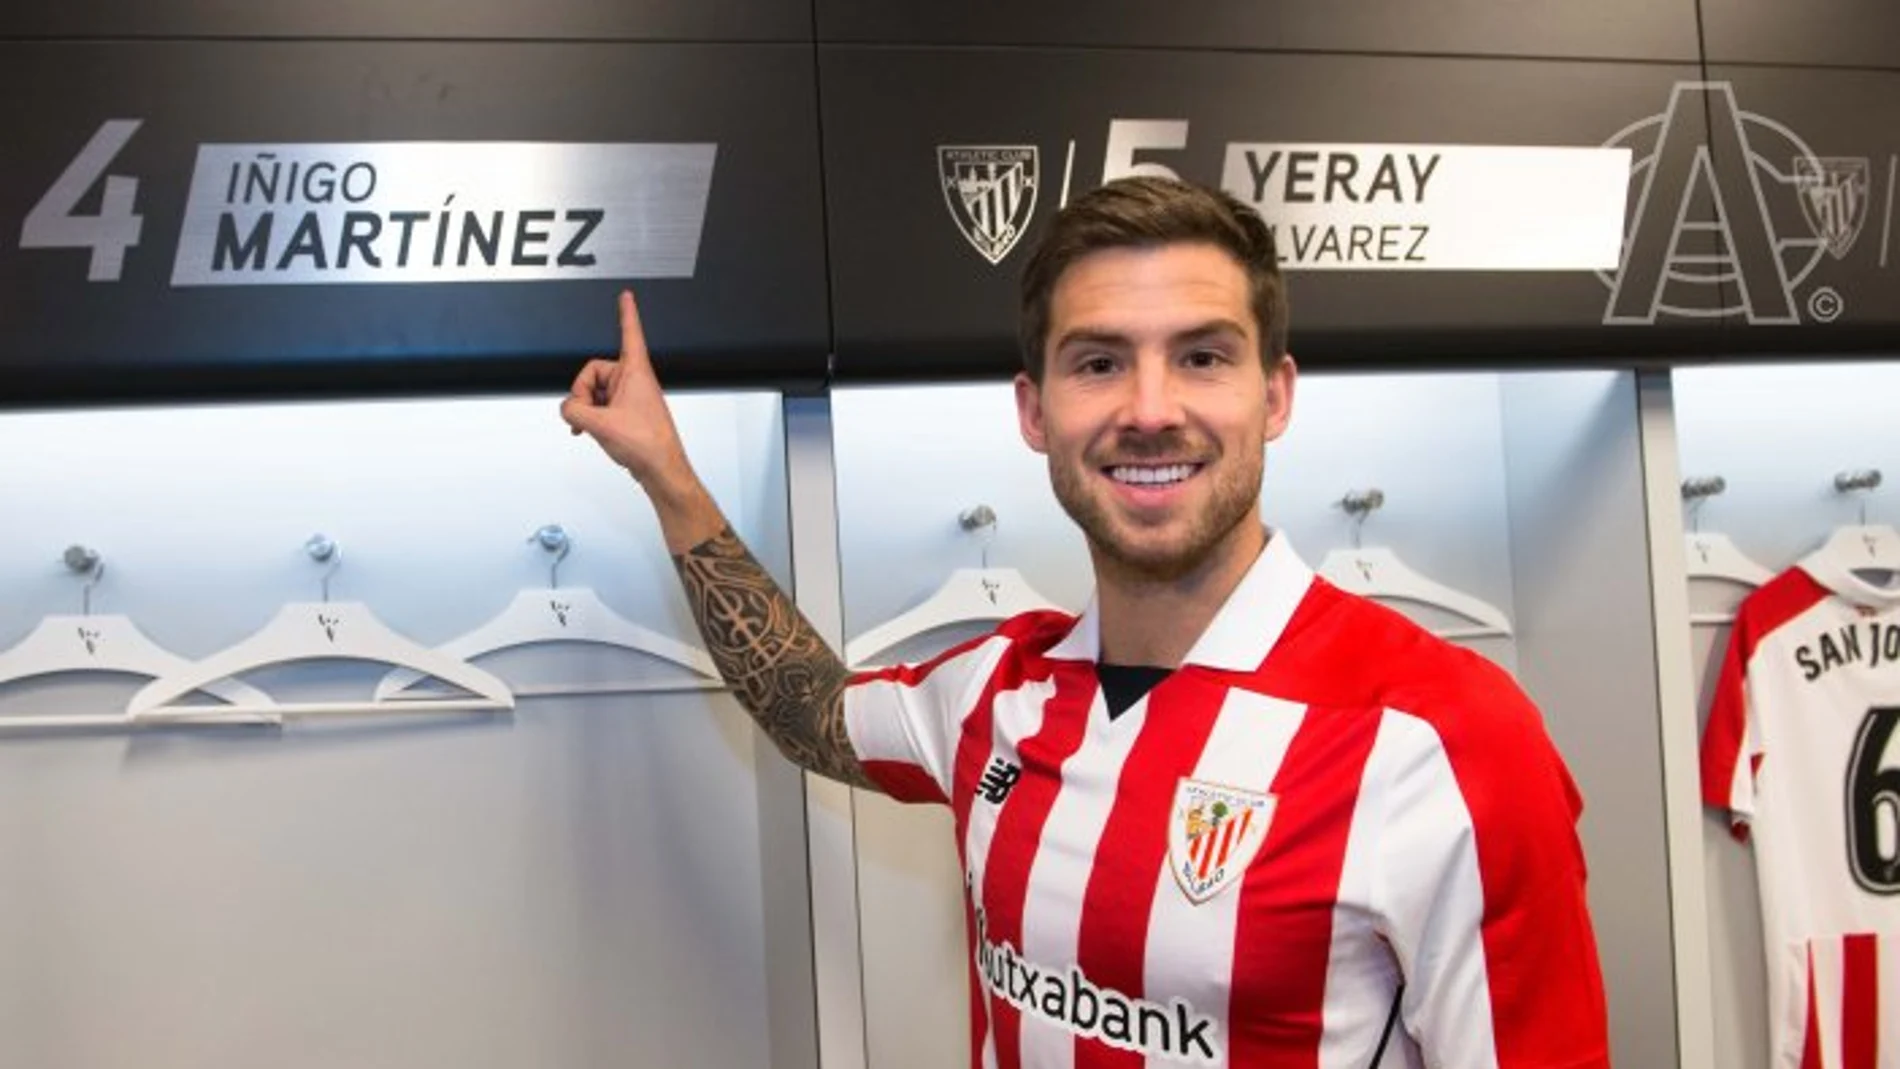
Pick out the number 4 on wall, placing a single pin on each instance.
(55, 222)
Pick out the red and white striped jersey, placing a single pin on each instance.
(1803, 746)
(1329, 839)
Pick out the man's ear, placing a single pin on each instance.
(1029, 412)
(1280, 382)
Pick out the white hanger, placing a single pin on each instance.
(1863, 547)
(1377, 572)
(1715, 556)
(107, 644)
(1852, 549)
(304, 631)
(969, 595)
(565, 614)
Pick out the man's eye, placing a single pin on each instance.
(1205, 357)
(1096, 365)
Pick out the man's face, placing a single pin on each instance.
(1154, 408)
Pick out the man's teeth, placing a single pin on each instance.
(1128, 473)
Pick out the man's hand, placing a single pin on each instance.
(618, 404)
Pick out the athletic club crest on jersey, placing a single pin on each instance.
(1213, 835)
(991, 193)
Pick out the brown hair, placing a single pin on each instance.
(1148, 213)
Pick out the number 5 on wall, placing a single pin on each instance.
(55, 223)
(1129, 136)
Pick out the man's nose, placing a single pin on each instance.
(1154, 401)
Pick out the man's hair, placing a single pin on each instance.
(1144, 213)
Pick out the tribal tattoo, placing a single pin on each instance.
(781, 671)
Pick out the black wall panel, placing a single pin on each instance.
(750, 307)
(643, 20)
(882, 248)
(1819, 150)
(1612, 29)
(1862, 33)
(911, 294)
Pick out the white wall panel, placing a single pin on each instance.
(591, 881)
(1777, 434)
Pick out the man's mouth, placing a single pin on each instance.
(1152, 474)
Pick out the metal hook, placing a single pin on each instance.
(322, 548)
(1696, 491)
(553, 538)
(980, 518)
(86, 561)
(1862, 481)
(1359, 505)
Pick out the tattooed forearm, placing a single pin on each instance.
(781, 671)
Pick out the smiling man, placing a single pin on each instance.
(1230, 815)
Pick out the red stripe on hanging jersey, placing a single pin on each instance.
(1018, 832)
(1111, 949)
(1287, 899)
(1811, 1038)
(1860, 1002)
(1781, 599)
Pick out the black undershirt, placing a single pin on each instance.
(1125, 684)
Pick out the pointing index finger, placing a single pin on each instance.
(633, 340)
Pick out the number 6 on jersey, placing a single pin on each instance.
(1873, 806)
(55, 223)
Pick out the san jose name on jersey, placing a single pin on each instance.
(1802, 751)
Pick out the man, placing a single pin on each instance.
(1230, 816)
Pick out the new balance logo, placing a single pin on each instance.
(997, 781)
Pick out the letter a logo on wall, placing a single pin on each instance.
(1707, 242)
(991, 193)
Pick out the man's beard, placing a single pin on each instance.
(1234, 499)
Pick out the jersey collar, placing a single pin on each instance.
(1834, 575)
(1241, 633)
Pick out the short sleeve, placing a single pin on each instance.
(1730, 747)
(1733, 746)
(904, 722)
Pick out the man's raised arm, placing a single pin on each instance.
(782, 672)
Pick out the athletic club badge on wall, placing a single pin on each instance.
(991, 193)
(1213, 835)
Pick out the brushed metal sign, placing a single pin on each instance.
(439, 211)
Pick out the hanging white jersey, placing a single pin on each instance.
(1803, 750)
(1327, 840)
